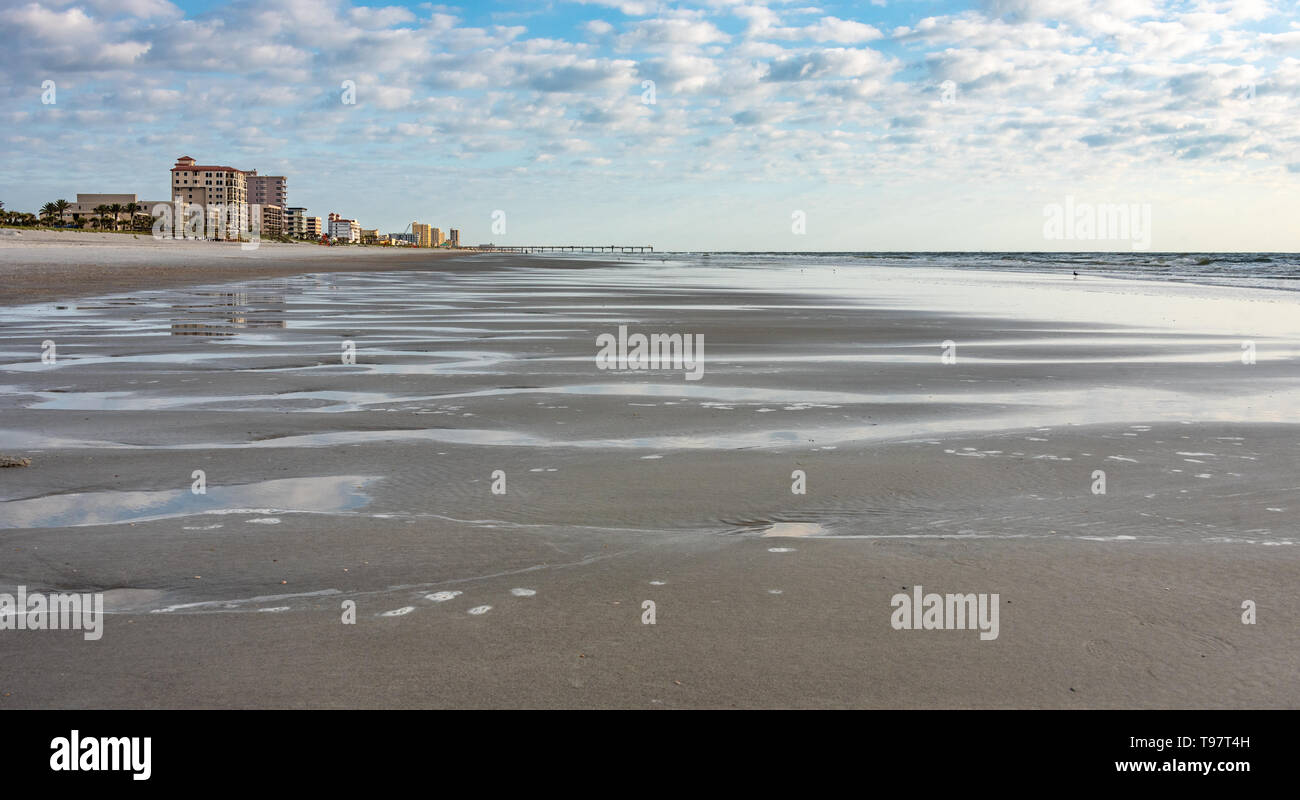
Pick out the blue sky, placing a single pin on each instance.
(895, 124)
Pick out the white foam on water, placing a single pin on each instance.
(780, 549)
(523, 592)
(264, 521)
(236, 603)
(477, 610)
(398, 612)
(442, 597)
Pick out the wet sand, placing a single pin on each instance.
(372, 483)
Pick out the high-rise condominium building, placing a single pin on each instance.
(313, 226)
(454, 237)
(423, 234)
(268, 190)
(213, 187)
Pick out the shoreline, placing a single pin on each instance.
(42, 265)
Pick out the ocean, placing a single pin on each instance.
(1256, 270)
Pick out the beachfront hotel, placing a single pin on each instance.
(212, 185)
(423, 234)
(312, 227)
(454, 237)
(344, 229)
(208, 184)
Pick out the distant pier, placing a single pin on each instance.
(567, 248)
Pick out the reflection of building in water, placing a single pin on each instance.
(227, 313)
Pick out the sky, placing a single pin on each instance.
(712, 125)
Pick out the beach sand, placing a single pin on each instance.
(38, 265)
(372, 484)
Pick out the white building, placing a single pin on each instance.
(347, 230)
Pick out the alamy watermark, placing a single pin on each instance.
(1101, 222)
(639, 351)
(77, 753)
(40, 611)
(949, 612)
(180, 220)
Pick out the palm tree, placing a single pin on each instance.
(131, 210)
(49, 210)
(62, 207)
(102, 211)
(116, 209)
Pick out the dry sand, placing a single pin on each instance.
(38, 265)
(371, 483)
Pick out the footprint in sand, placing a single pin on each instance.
(477, 610)
(398, 612)
(523, 592)
(442, 597)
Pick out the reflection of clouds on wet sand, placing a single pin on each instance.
(332, 493)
